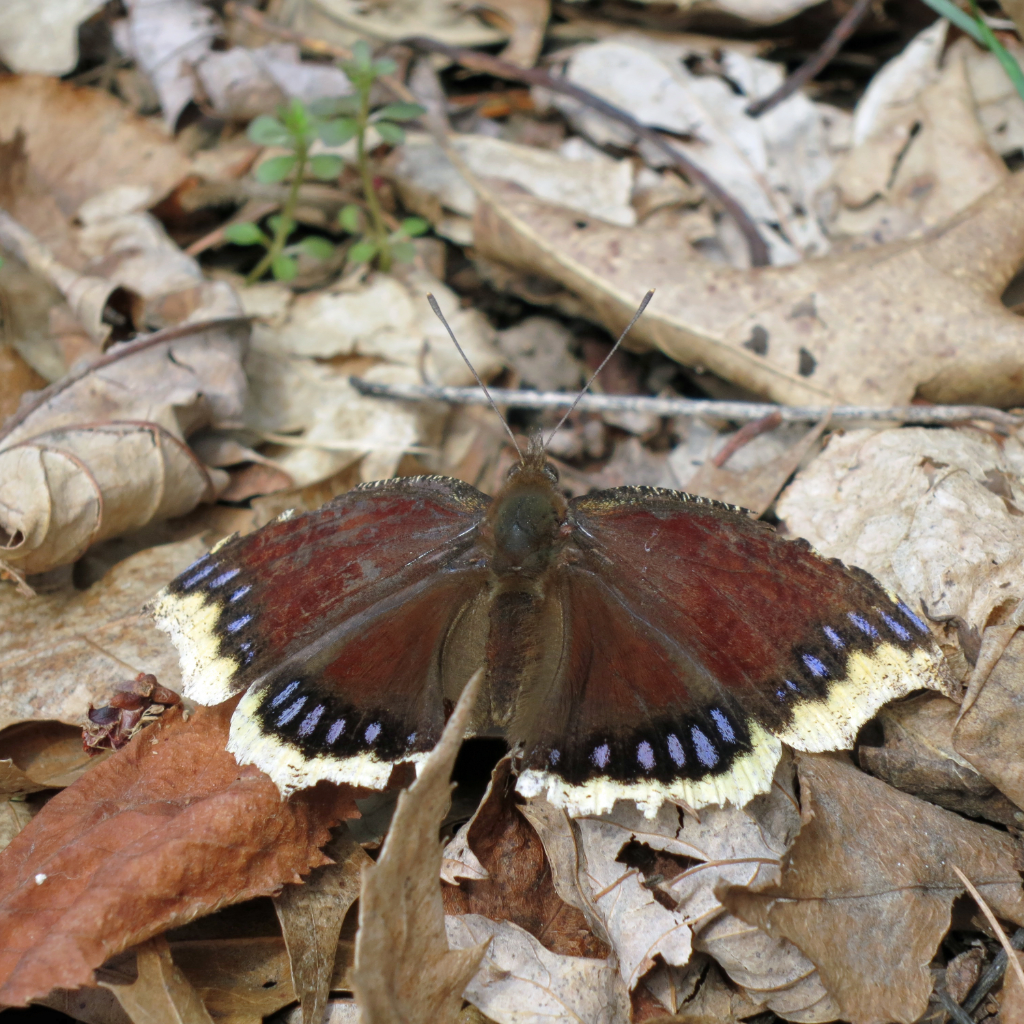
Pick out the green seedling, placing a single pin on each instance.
(334, 121)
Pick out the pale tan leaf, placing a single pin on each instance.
(161, 994)
(405, 972)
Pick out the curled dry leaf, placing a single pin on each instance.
(62, 652)
(405, 972)
(522, 982)
(988, 733)
(311, 916)
(161, 992)
(102, 452)
(109, 144)
(867, 888)
(43, 45)
(934, 514)
(164, 830)
(811, 333)
(516, 884)
(918, 756)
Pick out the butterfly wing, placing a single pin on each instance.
(334, 622)
(697, 641)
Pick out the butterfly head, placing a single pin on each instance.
(526, 516)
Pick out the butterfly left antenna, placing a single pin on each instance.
(604, 362)
(472, 369)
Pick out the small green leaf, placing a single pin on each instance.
(413, 226)
(339, 131)
(401, 111)
(361, 55)
(335, 106)
(268, 131)
(350, 217)
(384, 66)
(389, 132)
(276, 169)
(404, 252)
(362, 251)
(245, 234)
(325, 166)
(317, 247)
(284, 267)
(296, 120)
(280, 224)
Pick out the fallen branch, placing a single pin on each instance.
(744, 411)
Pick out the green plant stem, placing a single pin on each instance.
(380, 231)
(287, 222)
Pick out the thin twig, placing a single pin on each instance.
(992, 974)
(953, 1008)
(815, 64)
(1011, 955)
(487, 64)
(742, 411)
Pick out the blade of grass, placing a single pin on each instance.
(1010, 66)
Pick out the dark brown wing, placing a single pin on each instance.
(697, 639)
(334, 620)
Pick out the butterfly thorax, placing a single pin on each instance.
(524, 522)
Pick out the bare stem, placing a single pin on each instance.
(380, 231)
(287, 221)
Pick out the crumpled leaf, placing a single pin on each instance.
(918, 756)
(920, 154)
(41, 755)
(311, 916)
(867, 888)
(521, 982)
(988, 733)
(44, 45)
(161, 992)
(935, 514)
(384, 319)
(579, 178)
(811, 333)
(516, 884)
(162, 831)
(83, 141)
(102, 452)
(62, 651)
(771, 165)
(405, 972)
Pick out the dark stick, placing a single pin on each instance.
(815, 64)
(487, 64)
(992, 974)
(953, 1008)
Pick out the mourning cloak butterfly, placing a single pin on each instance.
(639, 643)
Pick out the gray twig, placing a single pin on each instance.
(992, 973)
(741, 411)
(953, 1008)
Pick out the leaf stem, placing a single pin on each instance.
(287, 221)
(370, 193)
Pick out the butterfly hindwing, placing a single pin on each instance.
(722, 639)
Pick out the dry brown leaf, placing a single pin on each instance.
(525, 22)
(867, 888)
(522, 982)
(103, 453)
(988, 733)
(161, 994)
(41, 755)
(83, 141)
(16, 378)
(1011, 1001)
(405, 972)
(162, 831)
(934, 514)
(816, 332)
(918, 756)
(62, 651)
(517, 884)
(311, 917)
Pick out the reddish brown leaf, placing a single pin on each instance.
(167, 829)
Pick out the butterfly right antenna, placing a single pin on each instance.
(636, 316)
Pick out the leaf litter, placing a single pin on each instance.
(159, 880)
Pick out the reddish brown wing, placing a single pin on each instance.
(250, 604)
(691, 630)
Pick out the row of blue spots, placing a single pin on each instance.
(791, 686)
(310, 722)
(703, 745)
